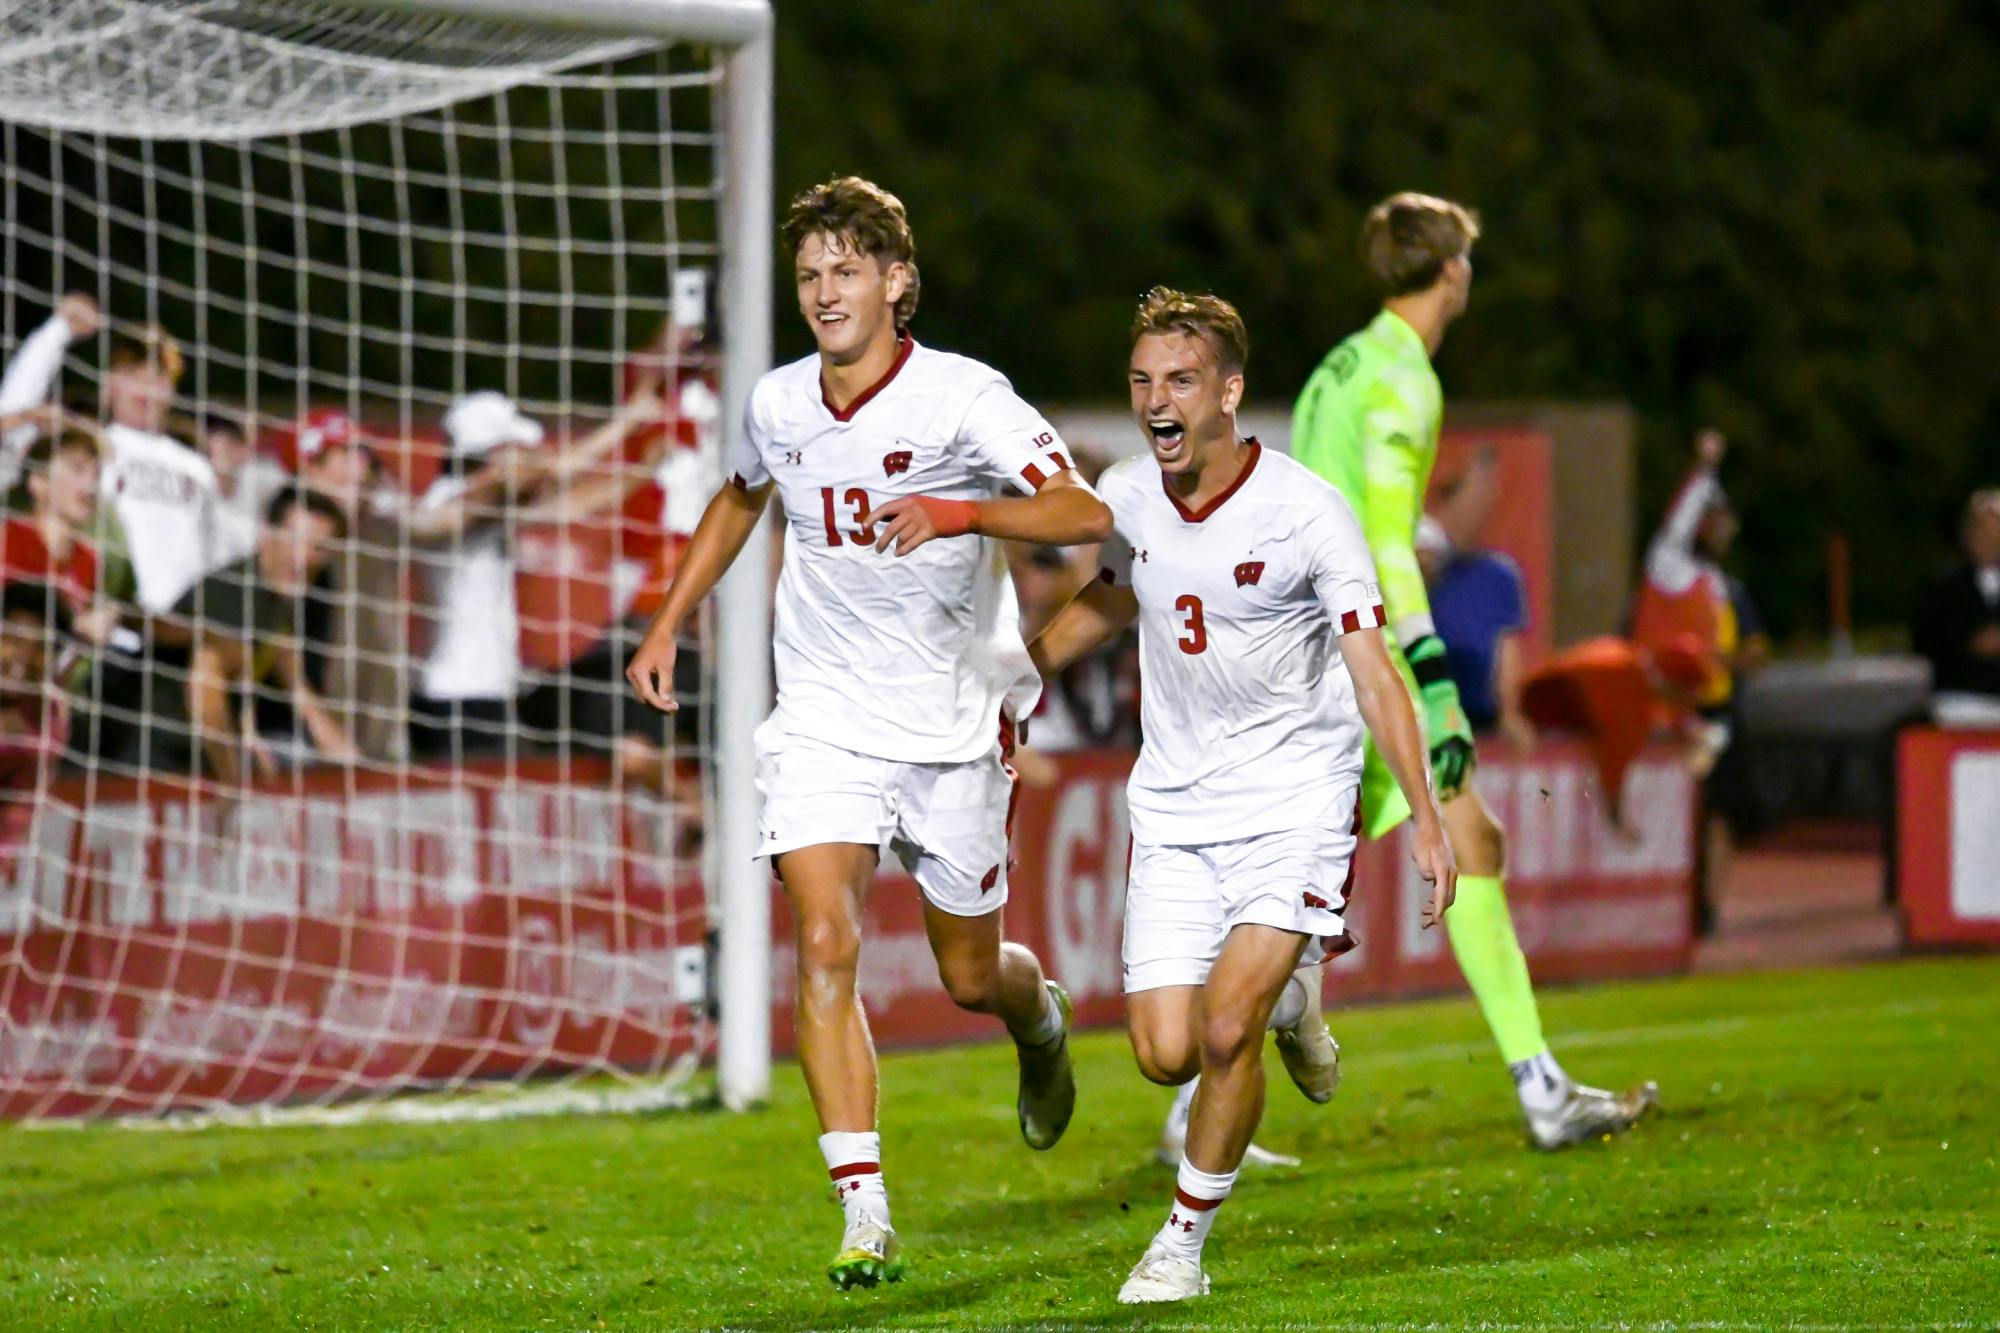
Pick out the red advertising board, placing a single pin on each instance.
(354, 932)
(1589, 900)
(1948, 836)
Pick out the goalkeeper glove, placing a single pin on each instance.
(1449, 733)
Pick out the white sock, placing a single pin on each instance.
(1177, 1114)
(1048, 1027)
(1197, 1196)
(1540, 1082)
(854, 1163)
(1291, 1006)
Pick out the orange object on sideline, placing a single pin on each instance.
(1599, 690)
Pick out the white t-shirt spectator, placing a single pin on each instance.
(165, 497)
(477, 654)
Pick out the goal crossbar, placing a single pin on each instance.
(725, 22)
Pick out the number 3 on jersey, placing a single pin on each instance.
(856, 499)
(1196, 632)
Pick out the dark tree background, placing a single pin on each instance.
(1773, 216)
(1776, 217)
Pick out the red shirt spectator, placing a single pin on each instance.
(46, 544)
(27, 556)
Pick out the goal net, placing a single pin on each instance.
(367, 366)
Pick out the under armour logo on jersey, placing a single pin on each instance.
(1140, 556)
(1249, 572)
(1315, 901)
(794, 455)
(899, 461)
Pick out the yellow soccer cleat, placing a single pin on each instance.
(867, 1256)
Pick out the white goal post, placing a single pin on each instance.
(150, 147)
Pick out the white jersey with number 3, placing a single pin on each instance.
(905, 657)
(1249, 716)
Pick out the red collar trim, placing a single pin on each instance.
(1215, 502)
(909, 345)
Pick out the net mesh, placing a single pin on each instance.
(320, 799)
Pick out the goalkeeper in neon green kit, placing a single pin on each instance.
(1368, 422)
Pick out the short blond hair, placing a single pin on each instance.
(863, 215)
(152, 347)
(1408, 238)
(1164, 310)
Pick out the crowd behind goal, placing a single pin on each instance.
(220, 593)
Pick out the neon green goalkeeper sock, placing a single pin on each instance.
(1482, 935)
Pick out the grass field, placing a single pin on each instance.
(1826, 1157)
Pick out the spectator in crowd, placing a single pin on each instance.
(34, 721)
(1696, 624)
(164, 493)
(1478, 602)
(1698, 634)
(358, 626)
(679, 371)
(589, 482)
(471, 677)
(245, 626)
(48, 530)
(26, 387)
(1957, 624)
(245, 481)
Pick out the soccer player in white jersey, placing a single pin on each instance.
(899, 661)
(1262, 654)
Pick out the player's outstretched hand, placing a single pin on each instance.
(651, 672)
(908, 521)
(1432, 853)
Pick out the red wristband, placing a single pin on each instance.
(951, 518)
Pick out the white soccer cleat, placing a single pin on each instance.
(1311, 1055)
(867, 1256)
(1590, 1113)
(1160, 1276)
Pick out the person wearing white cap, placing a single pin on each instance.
(470, 682)
(464, 704)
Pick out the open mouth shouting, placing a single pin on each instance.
(1169, 439)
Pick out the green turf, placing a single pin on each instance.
(1826, 1156)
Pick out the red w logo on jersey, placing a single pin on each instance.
(1249, 572)
(1314, 900)
(896, 462)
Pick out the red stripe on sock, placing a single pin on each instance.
(855, 1169)
(1182, 1197)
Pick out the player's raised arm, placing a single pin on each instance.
(1385, 707)
(727, 523)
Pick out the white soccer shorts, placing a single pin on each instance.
(946, 823)
(1181, 902)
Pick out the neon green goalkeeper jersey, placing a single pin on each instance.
(1368, 422)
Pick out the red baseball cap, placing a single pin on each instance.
(328, 428)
